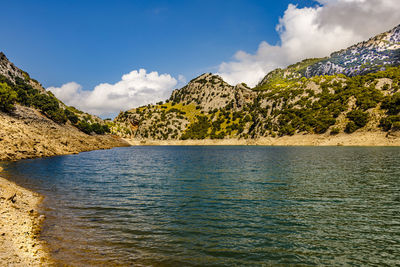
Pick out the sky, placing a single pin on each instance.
(107, 56)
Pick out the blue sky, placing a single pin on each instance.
(98, 41)
(82, 44)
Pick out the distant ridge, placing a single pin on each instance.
(354, 90)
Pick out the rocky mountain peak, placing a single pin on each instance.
(206, 78)
(208, 91)
(11, 72)
(8, 69)
(372, 55)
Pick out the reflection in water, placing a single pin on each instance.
(196, 206)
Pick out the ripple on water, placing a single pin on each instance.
(220, 206)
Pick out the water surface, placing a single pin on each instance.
(220, 206)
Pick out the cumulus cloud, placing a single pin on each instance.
(313, 32)
(135, 89)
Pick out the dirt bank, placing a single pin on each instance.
(355, 139)
(28, 134)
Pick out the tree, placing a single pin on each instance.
(71, 116)
(48, 104)
(7, 97)
(359, 117)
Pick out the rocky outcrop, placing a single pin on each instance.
(11, 72)
(8, 69)
(207, 91)
(210, 92)
(375, 54)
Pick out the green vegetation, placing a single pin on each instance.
(93, 128)
(23, 93)
(335, 131)
(7, 97)
(388, 122)
(284, 104)
(198, 129)
(392, 104)
(358, 119)
(49, 105)
(71, 116)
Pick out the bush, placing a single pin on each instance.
(387, 123)
(71, 116)
(396, 126)
(94, 128)
(57, 116)
(335, 131)
(84, 127)
(392, 104)
(7, 97)
(49, 105)
(351, 127)
(359, 117)
(198, 129)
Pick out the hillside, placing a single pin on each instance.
(359, 94)
(375, 54)
(34, 123)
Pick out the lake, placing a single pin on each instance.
(219, 206)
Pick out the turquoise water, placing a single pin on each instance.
(220, 206)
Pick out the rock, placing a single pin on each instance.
(12, 198)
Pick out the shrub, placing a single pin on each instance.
(57, 115)
(48, 104)
(387, 123)
(323, 123)
(71, 116)
(84, 127)
(287, 130)
(7, 97)
(335, 131)
(198, 129)
(359, 117)
(392, 104)
(396, 126)
(97, 128)
(351, 127)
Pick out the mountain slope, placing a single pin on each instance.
(305, 98)
(375, 54)
(33, 122)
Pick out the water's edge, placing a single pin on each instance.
(124, 198)
(20, 239)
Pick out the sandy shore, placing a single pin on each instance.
(355, 139)
(20, 227)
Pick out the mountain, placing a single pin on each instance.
(33, 122)
(355, 89)
(370, 56)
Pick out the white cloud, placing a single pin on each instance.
(135, 89)
(182, 80)
(313, 32)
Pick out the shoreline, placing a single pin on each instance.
(20, 220)
(20, 227)
(355, 139)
